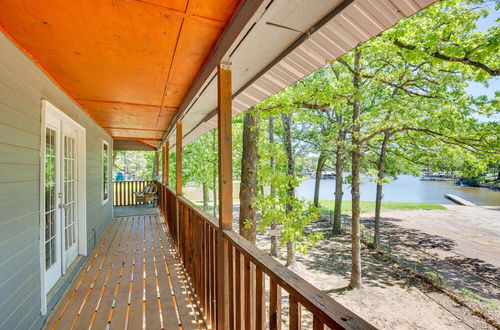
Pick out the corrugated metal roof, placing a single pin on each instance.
(357, 22)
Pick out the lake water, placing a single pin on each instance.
(406, 188)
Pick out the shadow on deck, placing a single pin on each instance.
(131, 280)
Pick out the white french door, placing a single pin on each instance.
(61, 195)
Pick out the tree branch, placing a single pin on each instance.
(464, 60)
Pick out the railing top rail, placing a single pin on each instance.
(330, 312)
(202, 214)
(115, 181)
(167, 187)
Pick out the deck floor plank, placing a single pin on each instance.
(118, 318)
(81, 281)
(122, 262)
(184, 299)
(154, 317)
(134, 317)
(100, 292)
(169, 310)
(83, 320)
(69, 316)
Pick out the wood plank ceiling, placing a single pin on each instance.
(127, 63)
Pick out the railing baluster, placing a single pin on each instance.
(238, 296)
(212, 276)
(209, 274)
(230, 278)
(295, 313)
(216, 278)
(260, 300)
(317, 324)
(121, 193)
(248, 292)
(274, 305)
(201, 296)
(128, 193)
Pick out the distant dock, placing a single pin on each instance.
(436, 176)
(458, 200)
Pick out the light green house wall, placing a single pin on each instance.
(23, 85)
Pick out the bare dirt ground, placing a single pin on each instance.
(391, 299)
(471, 231)
(458, 247)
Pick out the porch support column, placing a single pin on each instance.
(224, 100)
(178, 178)
(155, 166)
(166, 159)
(178, 159)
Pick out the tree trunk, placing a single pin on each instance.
(339, 177)
(291, 261)
(319, 170)
(356, 281)
(248, 186)
(274, 240)
(286, 119)
(205, 195)
(378, 198)
(214, 148)
(339, 193)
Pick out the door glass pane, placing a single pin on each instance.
(105, 171)
(50, 197)
(69, 185)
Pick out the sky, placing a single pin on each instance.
(477, 89)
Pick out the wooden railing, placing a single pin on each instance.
(123, 192)
(257, 284)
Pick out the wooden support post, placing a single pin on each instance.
(163, 164)
(178, 177)
(225, 147)
(224, 100)
(178, 159)
(166, 158)
(155, 165)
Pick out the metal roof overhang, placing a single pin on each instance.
(272, 44)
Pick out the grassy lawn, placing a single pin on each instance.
(327, 206)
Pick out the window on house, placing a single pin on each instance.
(105, 171)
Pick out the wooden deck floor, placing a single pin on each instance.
(131, 281)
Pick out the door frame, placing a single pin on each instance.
(48, 108)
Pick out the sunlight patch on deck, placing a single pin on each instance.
(133, 280)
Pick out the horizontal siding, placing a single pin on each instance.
(26, 295)
(19, 155)
(12, 265)
(14, 99)
(10, 191)
(19, 137)
(13, 172)
(23, 86)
